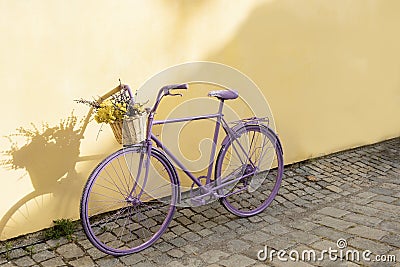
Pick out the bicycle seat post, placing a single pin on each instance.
(215, 139)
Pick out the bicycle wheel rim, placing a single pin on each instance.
(137, 229)
(245, 203)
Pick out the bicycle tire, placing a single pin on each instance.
(127, 223)
(253, 194)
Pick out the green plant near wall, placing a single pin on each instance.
(8, 247)
(61, 228)
(30, 250)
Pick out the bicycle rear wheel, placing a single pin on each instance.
(259, 161)
(123, 213)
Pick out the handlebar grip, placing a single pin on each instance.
(180, 86)
(175, 86)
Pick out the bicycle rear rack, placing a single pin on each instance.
(251, 120)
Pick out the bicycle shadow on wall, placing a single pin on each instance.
(48, 156)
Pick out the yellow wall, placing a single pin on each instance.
(329, 70)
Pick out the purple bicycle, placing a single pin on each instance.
(131, 196)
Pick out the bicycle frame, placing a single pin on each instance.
(150, 137)
(159, 144)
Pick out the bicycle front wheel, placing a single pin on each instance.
(121, 211)
(251, 166)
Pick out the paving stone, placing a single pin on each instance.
(383, 191)
(220, 229)
(54, 262)
(362, 219)
(190, 236)
(255, 219)
(24, 261)
(184, 220)
(176, 253)
(362, 209)
(17, 253)
(385, 206)
(390, 226)
(179, 230)
(162, 259)
(367, 232)
(176, 264)
(43, 255)
(163, 246)
(232, 224)
(198, 218)
(205, 232)
(83, 262)
(213, 256)
(333, 212)
(194, 262)
(208, 224)
(304, 225)
(168, 235)
(210, 213)
(324, 245)
(290, 196)
(70, 251)
(109, 262)
(178, 242)
(277, 229)
(85, 243)
(3, 260)
(148, 263)
(95, 254)
(280, 243)
(278, 263)
(334, 223)
(237, 260)
(279, 199)
(55, 243)
(187, 212)
(195, 227)
(365, 244)
(334, 188)
(392, 239)
(237, 246)
(386, 199)
(40, 247)
(191, 250)
(302, 237)
(258, 238)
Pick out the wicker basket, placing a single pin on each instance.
(131, 130)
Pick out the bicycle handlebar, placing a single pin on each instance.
(174, 86)
(165, 91)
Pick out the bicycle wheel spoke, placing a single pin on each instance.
(119, 178)
(111, 189)
(103, 208)
(113, 182)
(104, 195)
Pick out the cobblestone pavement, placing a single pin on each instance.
(352, 195)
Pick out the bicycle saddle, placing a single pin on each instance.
(224, 94)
